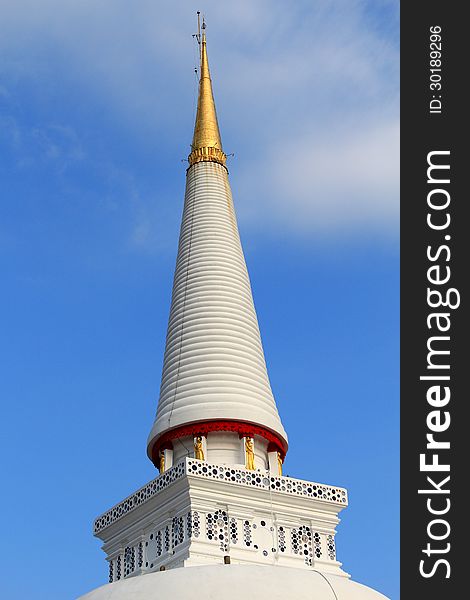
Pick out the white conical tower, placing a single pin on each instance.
(214, 373)
(220, 520)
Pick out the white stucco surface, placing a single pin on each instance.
(235, 582)
(214, 365)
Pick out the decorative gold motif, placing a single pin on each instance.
(279, 463)
(250, 454)
(207, 144)
(198, 448)
(161, 461)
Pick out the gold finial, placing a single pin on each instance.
(207, 145)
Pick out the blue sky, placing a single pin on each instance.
(97, 106)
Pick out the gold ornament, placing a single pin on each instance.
(161, 464)
(250, 454)
(279, 463)
(198, 448)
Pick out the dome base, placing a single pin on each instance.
(233, 582)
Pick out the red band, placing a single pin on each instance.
(195, 429)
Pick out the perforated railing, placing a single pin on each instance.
(237, 476)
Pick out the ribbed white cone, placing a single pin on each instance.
(214, 366)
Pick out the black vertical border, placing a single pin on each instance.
(422, 132)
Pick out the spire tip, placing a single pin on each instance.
(207, 144)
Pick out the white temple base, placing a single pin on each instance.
(197, 513)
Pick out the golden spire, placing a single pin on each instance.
(207, 145)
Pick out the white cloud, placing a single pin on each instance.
(307, 93)
(327, 181)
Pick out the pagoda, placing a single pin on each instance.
(220, 519)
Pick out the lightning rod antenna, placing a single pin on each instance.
(199, 31)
